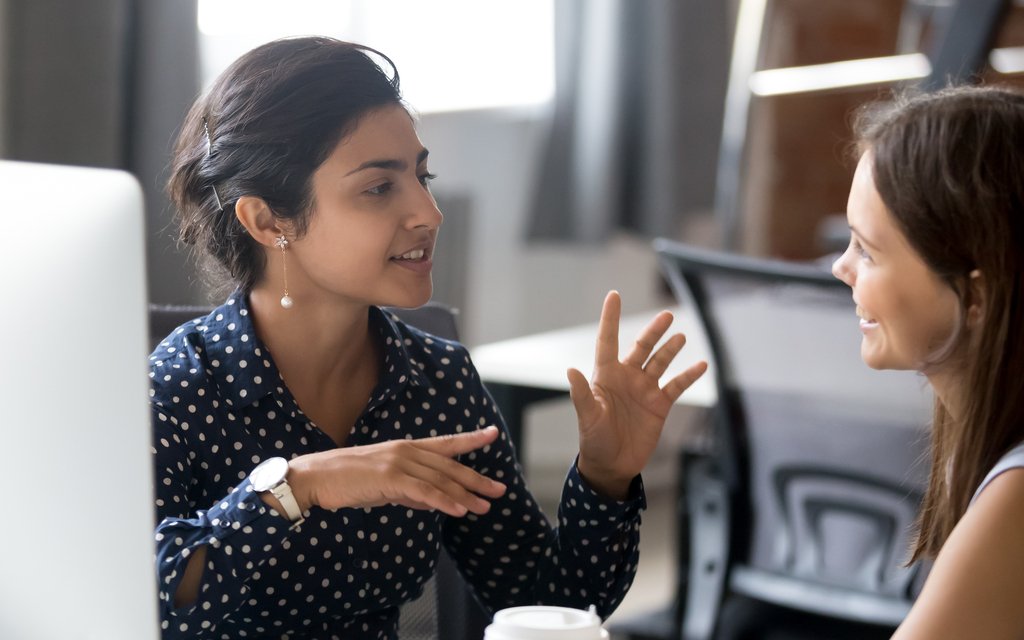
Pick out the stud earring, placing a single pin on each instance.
(281, 243)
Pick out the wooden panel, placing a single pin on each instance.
(798, 164)
(799, 170)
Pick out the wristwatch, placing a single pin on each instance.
(269, 475)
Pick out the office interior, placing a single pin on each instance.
(722, 124)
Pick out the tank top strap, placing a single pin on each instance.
(1012, 459)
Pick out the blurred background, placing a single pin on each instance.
(566, 133)
(628, 145)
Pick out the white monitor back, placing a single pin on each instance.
(76, 550)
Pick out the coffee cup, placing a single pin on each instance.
(545, 623)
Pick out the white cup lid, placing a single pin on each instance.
(545, 623)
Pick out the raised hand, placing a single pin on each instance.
(622, 410)
(416, 473)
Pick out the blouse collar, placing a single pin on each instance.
(245, 371)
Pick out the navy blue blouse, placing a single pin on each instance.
(220, 407)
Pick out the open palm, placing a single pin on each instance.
(622, 410)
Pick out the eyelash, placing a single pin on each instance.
(860, 250)
(383, 189)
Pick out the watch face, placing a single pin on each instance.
(268, 474)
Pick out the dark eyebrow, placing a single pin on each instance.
(392, 165)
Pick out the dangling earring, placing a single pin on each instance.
(281, 243)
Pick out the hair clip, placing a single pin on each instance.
(209, 142)
(209, 150)
(216, 197)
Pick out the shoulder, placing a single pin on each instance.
(430, 350)
(177, 358)
(439, 367)
(179, 368)
(1012, 459)
(999, 505)
(973, 589)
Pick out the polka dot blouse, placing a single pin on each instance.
(220, 407)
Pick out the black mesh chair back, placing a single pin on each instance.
(446, 609)
(819, 462)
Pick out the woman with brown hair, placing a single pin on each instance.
(313, 454)
(936, 265)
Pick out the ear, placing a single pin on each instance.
(258, 220)
(976, 299)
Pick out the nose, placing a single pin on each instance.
(841, 268)
(424, 211)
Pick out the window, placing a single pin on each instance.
(450, 54)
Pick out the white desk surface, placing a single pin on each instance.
(540, 360)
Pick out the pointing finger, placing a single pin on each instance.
(455, 444)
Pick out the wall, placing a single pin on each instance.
(491, 158)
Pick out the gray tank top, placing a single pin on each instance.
(1013, 459)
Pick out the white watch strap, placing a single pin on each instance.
(283, 493)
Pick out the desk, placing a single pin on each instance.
(521, 371)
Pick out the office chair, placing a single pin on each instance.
(447, 608)
(798, 522)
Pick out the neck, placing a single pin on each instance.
(949, 389)
(315, 344)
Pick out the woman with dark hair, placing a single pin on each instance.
(936, 264)
(313, 453)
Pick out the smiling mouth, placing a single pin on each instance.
(865, 321)
(412, 256)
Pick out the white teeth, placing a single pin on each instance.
(415, 254)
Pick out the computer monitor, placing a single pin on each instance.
(76, 530)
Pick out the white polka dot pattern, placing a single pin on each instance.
(220, 407)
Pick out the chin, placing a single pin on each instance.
(411, 299)
(423, 298)
(875, 360)
(871, 363)
(886, 362)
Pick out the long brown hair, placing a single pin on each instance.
(949, 167)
